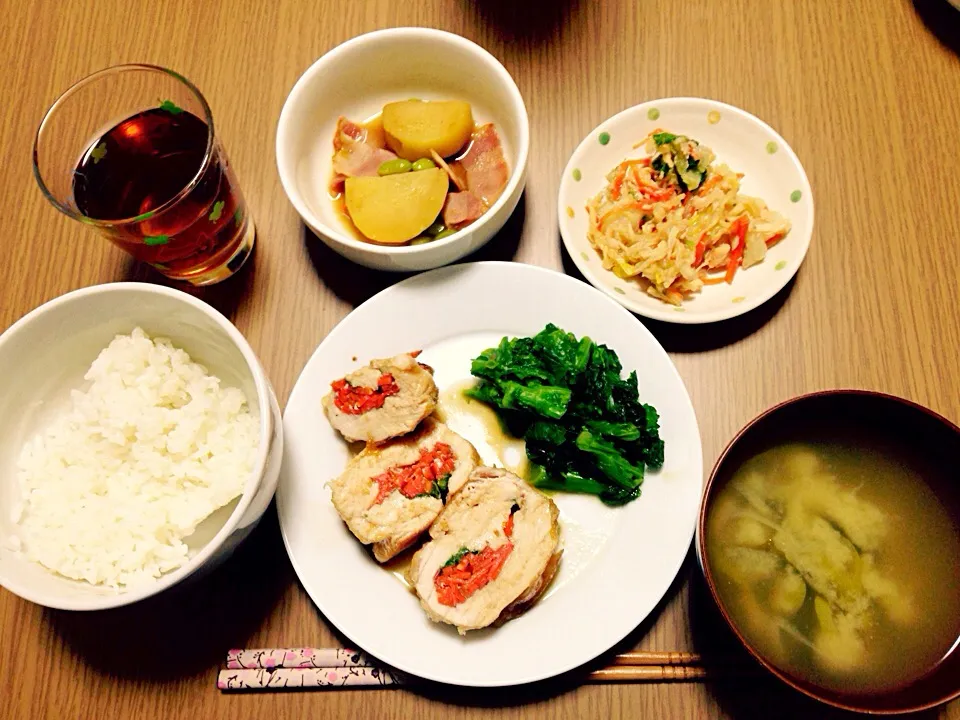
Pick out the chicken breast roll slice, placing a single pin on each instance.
(383, 400)
(494, 550)
(389, 494)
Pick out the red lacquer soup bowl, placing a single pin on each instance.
(914, 437)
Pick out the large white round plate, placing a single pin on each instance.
(748, 145)
(617, 563)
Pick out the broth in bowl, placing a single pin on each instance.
(839, 563)
(833, 544)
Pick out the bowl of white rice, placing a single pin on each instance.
(140, 442)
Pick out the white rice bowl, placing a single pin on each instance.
(111, 487)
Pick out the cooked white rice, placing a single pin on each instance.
(114, 484)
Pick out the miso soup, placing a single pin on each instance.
(839, 562)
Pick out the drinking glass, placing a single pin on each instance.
(131, 151)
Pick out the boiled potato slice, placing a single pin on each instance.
(413, 127)
(788, 593)
(802, 463)
(396, 208)
(750, 532)
(747, 565)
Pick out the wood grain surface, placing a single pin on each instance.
(867, 93)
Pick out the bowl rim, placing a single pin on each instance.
(517, 173)
(253, 482)
(808, 690)
(666, 314)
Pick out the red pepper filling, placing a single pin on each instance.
(419, 477)
(467, 572)
(358, 399)
(456, 583)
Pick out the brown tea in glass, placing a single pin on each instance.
(156, 182)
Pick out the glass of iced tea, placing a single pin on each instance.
(131, 151)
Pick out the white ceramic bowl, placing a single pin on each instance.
(356, 79)
(748, 145)
(46, 353)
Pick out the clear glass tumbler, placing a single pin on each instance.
(131, 151)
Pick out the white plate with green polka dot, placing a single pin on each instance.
(771, 171)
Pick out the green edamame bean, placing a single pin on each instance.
(423, 164)
(421, 239)
(393, 167)
(435, 229)
(446, 233)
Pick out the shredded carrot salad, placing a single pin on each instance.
(676, 221)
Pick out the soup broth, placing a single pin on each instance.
(839, 562)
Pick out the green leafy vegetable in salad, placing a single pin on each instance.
(679, 159)
(663, 138)
(585, 428)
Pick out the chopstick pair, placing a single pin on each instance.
(303, 668)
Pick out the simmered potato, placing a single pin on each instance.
(750, 533)
(396, 208)
(413, 127)
(788, 592)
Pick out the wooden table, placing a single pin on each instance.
(865, 93)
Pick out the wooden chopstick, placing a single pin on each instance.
(649, 673)
(674, 657)
(279, 668)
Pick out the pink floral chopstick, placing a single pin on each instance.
(296, 658)
(278, 668)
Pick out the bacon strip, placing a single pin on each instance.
(481, 175)
(461, 208)
(485, 168)
(355, 155)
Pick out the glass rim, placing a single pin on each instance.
(114, 69)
